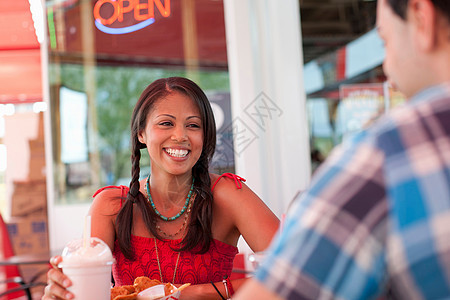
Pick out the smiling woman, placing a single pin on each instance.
(181, 224)
(174, 133)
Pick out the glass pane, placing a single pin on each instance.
(102, 57)
(22, 160)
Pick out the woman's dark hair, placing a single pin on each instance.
(399, 7)
(199, 228)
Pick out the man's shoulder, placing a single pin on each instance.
(428, 102)
(412, 124)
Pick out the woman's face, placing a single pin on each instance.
(173, 134)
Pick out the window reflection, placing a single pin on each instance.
(100, 60)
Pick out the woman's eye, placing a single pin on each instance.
(194, 125)
(165, 123)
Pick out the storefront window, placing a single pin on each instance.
(331, 121)
(344, 82)
(102, 55)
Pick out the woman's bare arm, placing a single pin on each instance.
(242, 212)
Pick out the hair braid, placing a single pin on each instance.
(199, 232)
(199, 228)
(125, 216)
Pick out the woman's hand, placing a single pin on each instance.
(57, 282)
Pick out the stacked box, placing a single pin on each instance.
(27, 224)
(37, 160)
(30, 235)
(29, 197)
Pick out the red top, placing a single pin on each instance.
(192, 267)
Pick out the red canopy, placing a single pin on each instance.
(20, 59)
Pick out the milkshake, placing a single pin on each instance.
(88, 265)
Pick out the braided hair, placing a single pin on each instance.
(199, 227)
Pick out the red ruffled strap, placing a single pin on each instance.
(237, 180)
(123, 190)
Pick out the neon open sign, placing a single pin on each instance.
(143, 14)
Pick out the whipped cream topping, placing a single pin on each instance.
(96, 253)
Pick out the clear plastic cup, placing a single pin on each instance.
(88, 265)
(256, 259)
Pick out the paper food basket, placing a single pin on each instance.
(157, 293)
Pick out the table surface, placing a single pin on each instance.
(29, 259)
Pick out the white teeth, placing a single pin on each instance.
(176, 152)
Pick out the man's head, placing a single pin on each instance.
(399, 7)
(417, 41)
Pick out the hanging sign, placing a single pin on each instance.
(125, 16)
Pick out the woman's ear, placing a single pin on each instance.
(141, 138)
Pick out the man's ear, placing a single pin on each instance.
(422, 16)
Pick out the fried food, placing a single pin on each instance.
(168, 289)
(130, 292)
(183, 286)
(129, 288)
(121, 291)
(132, 296)
(143, 283)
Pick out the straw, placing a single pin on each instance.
(87, 231)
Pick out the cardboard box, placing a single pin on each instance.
(37, 166)
(28, 197)
(30, 235)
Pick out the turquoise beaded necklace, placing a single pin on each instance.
(186, 203)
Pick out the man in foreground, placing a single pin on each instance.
(376, 219)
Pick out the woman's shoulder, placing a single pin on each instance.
(110, 198)
(228, 189)
(111, 191)
(226, 181)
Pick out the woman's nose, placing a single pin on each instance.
(179, 134)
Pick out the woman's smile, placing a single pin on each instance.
(177, 153)
(174, 134)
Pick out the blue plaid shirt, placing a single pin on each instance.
(376, 219)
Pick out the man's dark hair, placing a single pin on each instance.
(399, 7)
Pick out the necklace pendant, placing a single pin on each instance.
(159, 264)
(183, 226)
(167, 219)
